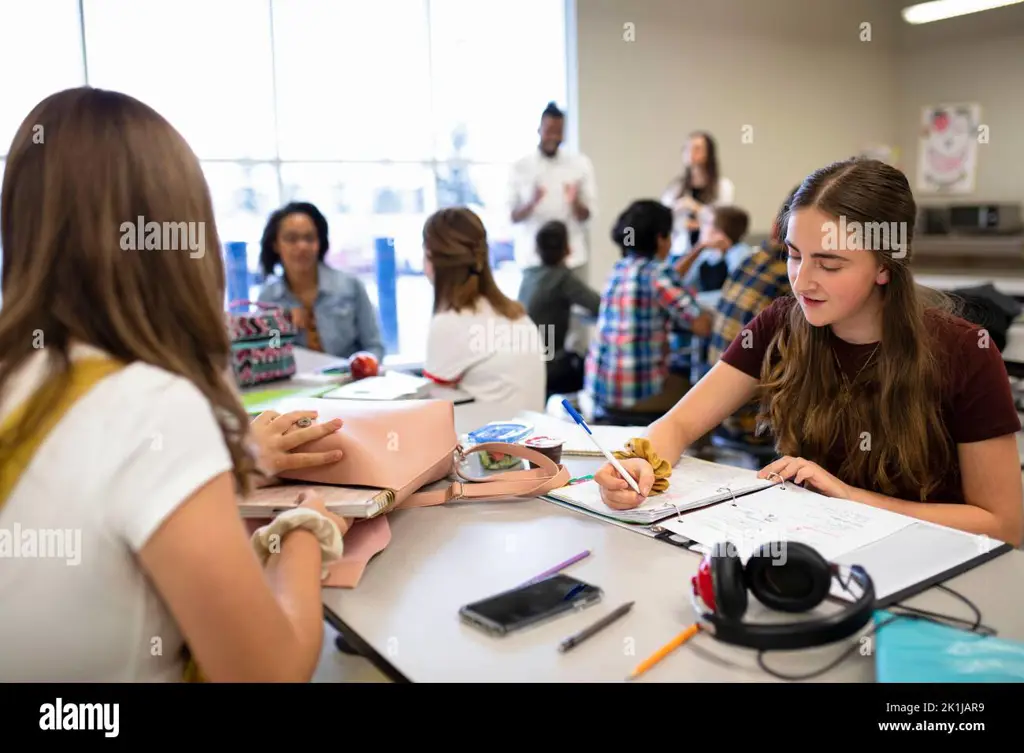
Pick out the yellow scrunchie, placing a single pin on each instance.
(639, 447)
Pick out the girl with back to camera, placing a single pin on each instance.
(480, 340)
(121, 430)
(874, 390)
(627, 366)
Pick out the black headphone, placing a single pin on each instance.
(784, 576)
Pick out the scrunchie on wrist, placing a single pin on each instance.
(268, 539)
(640, 447)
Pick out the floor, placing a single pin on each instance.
(335, 666)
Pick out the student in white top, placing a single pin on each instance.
(693, 196)
(548, 184)
(480, 340)
(120, 538)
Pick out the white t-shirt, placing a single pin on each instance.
(680, 234)
(121, 460)
(553, 174)
(498, 361)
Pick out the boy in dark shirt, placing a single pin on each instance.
(548, 292)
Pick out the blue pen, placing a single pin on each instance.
(611, 458)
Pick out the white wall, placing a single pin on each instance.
(795, 70)
(798, 72)
(977, 58)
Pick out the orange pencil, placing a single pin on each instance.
(665, 650)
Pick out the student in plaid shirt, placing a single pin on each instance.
(627, 366)
(756, 282)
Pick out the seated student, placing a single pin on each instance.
(479, 340)
(549, 293)
(722, 251)
(705, 268)
(331, 308)
(627, 364)
(873, 390)
(756, 282)
(122, 439)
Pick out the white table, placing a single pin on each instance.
(404, 613)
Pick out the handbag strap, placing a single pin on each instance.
(84, 375)
(507, 485)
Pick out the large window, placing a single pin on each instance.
(378, 112)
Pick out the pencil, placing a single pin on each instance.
(558, 568)
(598, 626)
(665, 650)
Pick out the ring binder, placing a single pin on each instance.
(727, 489)
(782, 481)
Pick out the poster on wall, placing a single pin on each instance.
(947, 158)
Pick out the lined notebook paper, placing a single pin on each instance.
(834, 527)
(346, 501)
(694, 483)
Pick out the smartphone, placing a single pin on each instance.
(527, 605)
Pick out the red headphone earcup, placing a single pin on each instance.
(703, 584)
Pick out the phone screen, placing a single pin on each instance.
(528, 604)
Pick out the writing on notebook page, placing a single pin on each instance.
(693, 483)
(832, 526)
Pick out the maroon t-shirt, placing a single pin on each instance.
(977, 402)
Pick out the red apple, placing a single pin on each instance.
(362, 365)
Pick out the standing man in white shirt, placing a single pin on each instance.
(551, 184)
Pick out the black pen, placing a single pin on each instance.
(601, 624)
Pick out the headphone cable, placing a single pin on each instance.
(915, 613)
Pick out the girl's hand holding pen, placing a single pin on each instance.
(616, 492)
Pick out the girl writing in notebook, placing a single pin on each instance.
(872, 388)
(122, 441)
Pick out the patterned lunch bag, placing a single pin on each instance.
(262, 342)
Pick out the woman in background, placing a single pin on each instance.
(119, 423)
(694, 194)
(480, 340)
(331, 308)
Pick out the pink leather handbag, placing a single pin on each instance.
(403, 446)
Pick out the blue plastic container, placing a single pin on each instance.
(510, 432)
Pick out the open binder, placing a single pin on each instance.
(706, 507)
(695, 483)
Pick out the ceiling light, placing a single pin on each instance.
(938, 10)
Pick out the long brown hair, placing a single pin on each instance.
(898, 396)
(709, 192)
(84, 167)
(455, 242)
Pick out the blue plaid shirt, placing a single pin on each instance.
(628, 357)
(759, 280)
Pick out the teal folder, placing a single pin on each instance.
(909, 649)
